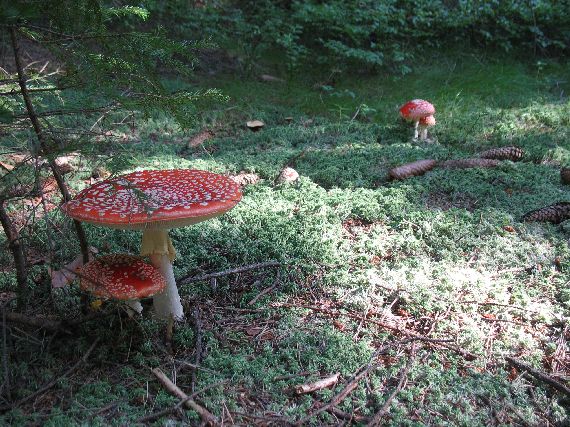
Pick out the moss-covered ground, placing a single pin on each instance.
(365, 262)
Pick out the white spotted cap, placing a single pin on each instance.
(121, 277)
(159, 199)
(416, 109)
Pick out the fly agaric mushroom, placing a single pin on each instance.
(155, 201)
(424, 124)
(121, 277)
(415, 110)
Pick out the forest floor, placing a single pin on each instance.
(416, 292)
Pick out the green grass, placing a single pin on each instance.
(408, 252)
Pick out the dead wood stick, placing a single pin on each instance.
(6, 383)
(17, 249)
(38, 322)
(54, 381)
(352, 383)
(190, 279)
(167, 411)
(206, 415)
(539, 375)
(339, 413)
(198, 357)
(317, 385)
(43, 140)
(375, 421)
(267, 290)
(438, 342)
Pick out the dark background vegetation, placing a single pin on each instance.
(365, 263)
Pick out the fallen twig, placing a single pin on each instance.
(375, 421)
(438, 342)
(55, 380)
(267, 290)
(6, 384)
(167, 411)
(208, 418)
(38, 322)
(189, 279)
(352, 383)
(539, 375)
(317, 385)
(198, 357)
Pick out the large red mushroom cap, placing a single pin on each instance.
(159, 199)
(121, 277)
(416, 109)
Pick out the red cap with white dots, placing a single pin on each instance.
(121, 277)
(159, 199)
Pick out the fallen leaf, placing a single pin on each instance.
(509, 228)
(489, 316)
(62, 278)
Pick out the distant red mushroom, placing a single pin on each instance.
(121, 277)
(415, 110)
(425, 123)
(155, 201)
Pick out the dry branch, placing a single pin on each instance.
(172, 409)
(33, 117)
(317, 385)
(375, 421)
(436, 342)
(17, 253)
(207, 416)
(539, 375)
(38, 322)
(190, 279)
(352, 383)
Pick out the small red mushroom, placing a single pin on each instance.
(425, 123)
(121, 277)
(415, 110)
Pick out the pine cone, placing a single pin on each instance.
(412, 169)
(503, 153)
(565, 175)
(555, 213)
(470, 163)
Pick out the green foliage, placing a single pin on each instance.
(115, 65)
(371, 34)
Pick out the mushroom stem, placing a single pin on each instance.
(134, 305)
(423, 134)
(416, 123)
(158, 246)
(167, 302)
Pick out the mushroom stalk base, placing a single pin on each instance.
(416, 124)
(157, 245)
(167, 303)
(135, 307)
